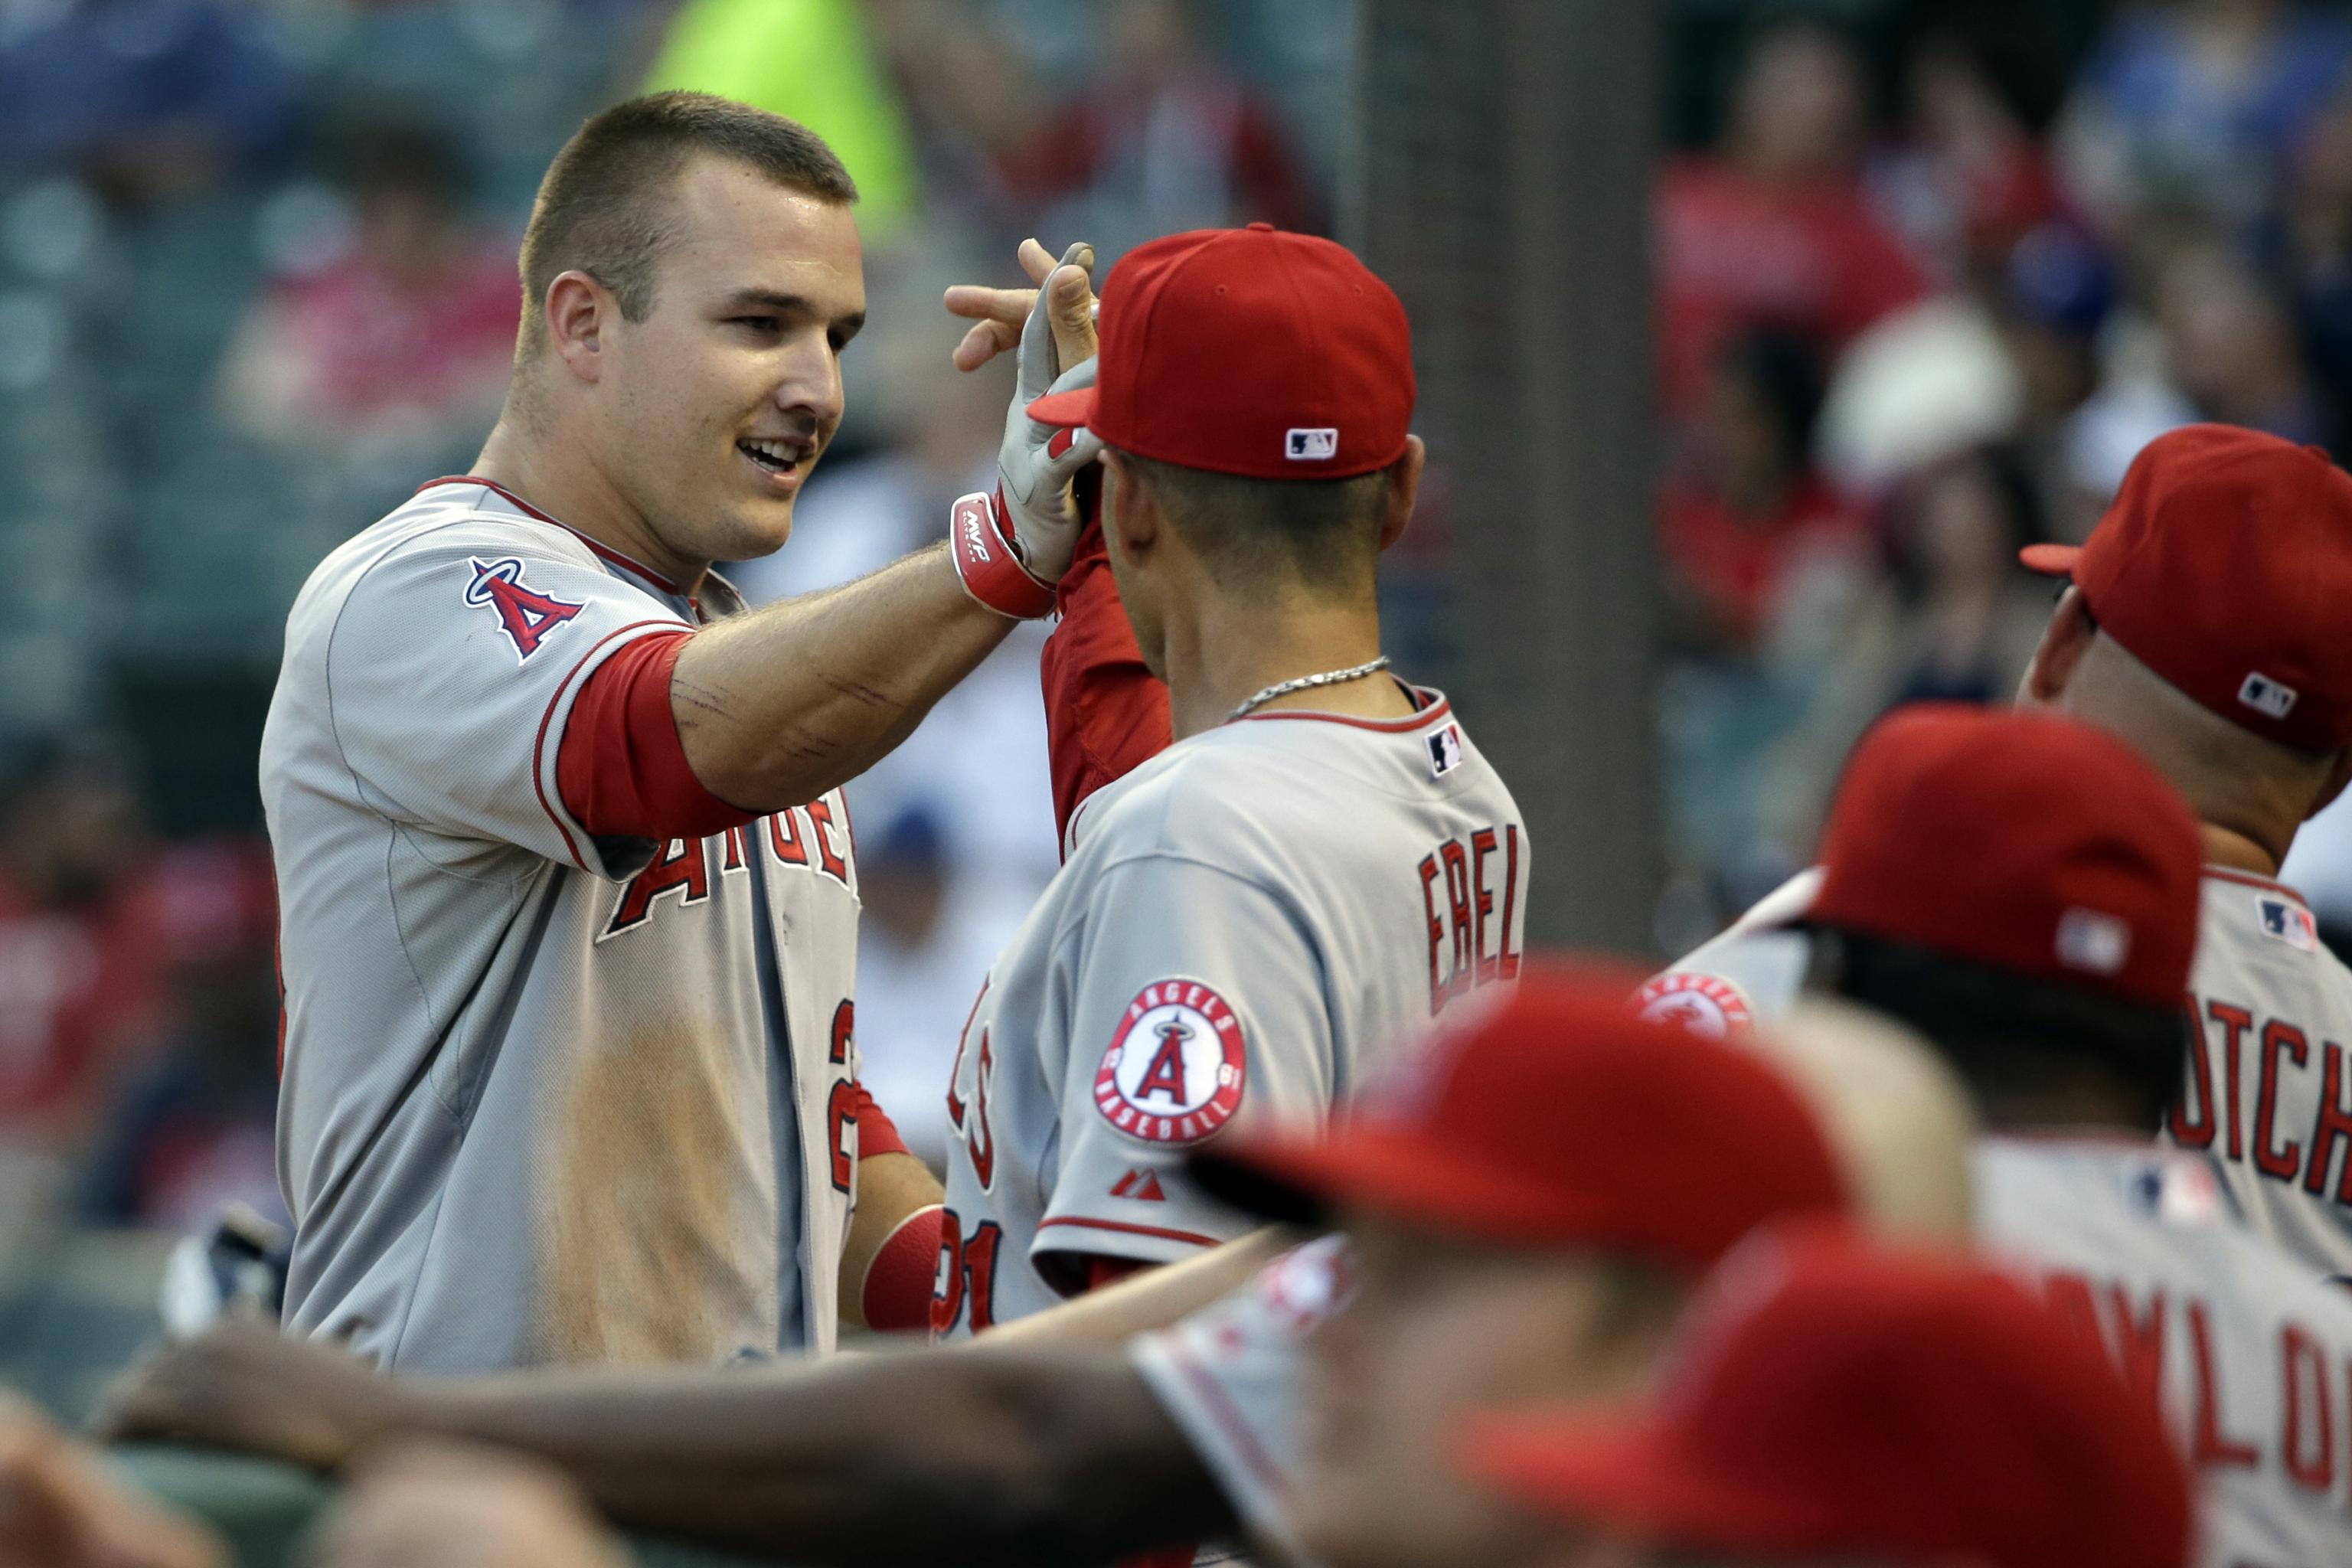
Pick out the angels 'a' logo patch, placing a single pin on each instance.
(1708, 1005)
(524, 614)
(1174, 1072)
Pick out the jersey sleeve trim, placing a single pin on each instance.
(1219, 1407)
(1159, 1232)
(602, 649)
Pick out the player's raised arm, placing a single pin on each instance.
(1106, 711)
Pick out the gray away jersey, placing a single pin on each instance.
(2250, 1350)
(1246, 926)
(2250, 1356)
(546, 1098)
(2268, 1090)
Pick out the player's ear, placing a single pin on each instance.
(578, 309)
(1131, 512)
(1404, 487)
(2064, 641)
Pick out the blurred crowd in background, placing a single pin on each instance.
(1928, 276)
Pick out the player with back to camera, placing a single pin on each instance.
(569, 897)
(1320, 861)
(2025, 891)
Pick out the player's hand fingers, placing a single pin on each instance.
(979, 303)
(1070, 305)
(1036, 261)
(984, 342)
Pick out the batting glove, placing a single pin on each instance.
(1011, 547)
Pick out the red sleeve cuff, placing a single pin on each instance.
(876, 1133)
(622, 770)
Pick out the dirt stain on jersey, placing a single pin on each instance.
(654, 1245)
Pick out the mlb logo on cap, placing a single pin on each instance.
(2088, 939)
(2265, 695)
(1314, 446)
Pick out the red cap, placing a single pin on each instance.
(1250, 351)
(2022, 840)
(1558, 1117)
(2224, 565)
(1823, 1397)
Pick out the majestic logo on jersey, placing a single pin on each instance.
(1708, 1005)
(1173, 1074)
(2289, 922)
(1444, 751)
(1141, 1184)
(525, 615)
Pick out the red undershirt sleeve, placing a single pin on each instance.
(1105, 712)
(876, 1133)
(622, 768)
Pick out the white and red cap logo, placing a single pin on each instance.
(1707, 1004)
(1173, 1073)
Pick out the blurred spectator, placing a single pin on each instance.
(1772, 228)
(195, 1131)
(1165, 136)
(1745, 519)
(1968, 179)
(81, 970)
(398, 339)
(1956, 619)
(2310, 250)
(145, 98)
(810, 59)
(932, 929)
(2230, 346)
(2198, 103)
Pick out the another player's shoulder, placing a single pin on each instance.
(441, 526)
(1751, 974)
(2250, 928)
(459, 560)
(1295, 778)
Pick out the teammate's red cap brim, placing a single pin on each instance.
(1065, 408)
(2051, 560)
(1627, 1470)
(1302, 1176)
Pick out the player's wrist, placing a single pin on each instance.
(988, 558)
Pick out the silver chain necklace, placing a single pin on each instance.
(1308, 683)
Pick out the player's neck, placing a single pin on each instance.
(2228, 848)
(1229, 651)
(556, 474)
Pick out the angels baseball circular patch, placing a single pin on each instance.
(1174, 1072)
(1707, 1004)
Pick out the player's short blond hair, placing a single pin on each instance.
(605, 206)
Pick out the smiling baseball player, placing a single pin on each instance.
(1321, 860)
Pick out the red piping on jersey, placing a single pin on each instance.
(602, 552)
(1229, 1419)
(1430, 714)
(2247, 878)
(1134, 1229)
(539, 742)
